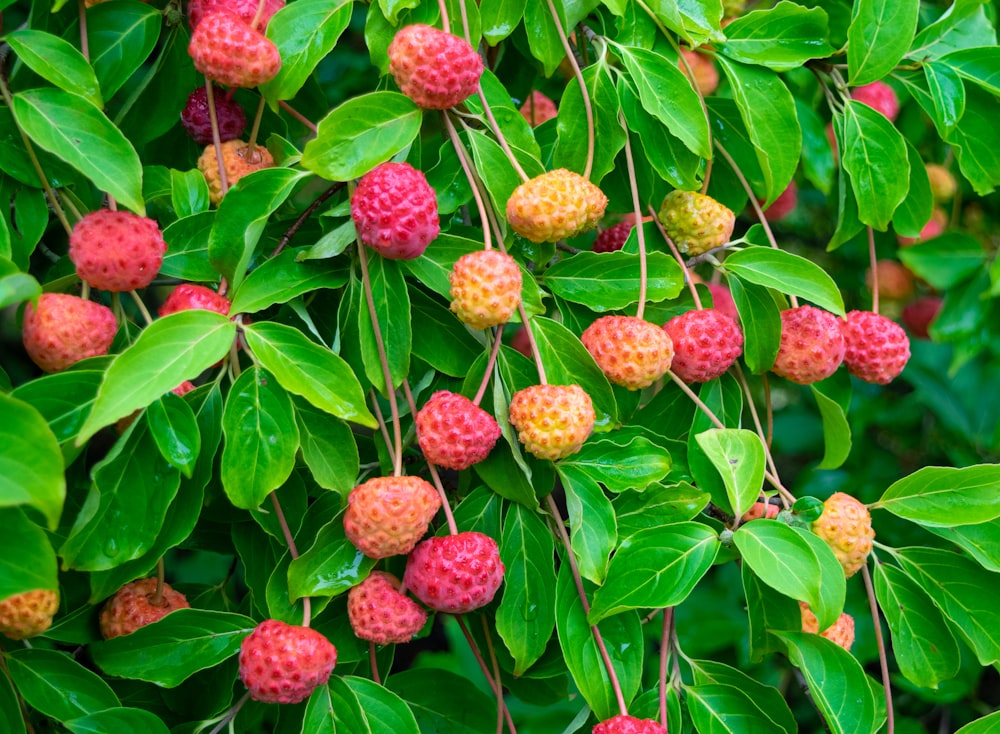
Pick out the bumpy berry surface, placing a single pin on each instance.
(761, 510)
(132, 607)
(455, 573)
(538, 109)
(455, 433)
(116, 250)
(840, 632)
(283, 663)
(895, 280)
(877, 348)
(706, 343)
(380, 613)
(624, 724)
(485, 288)
(552, 421)
(935, 226)
(435, 69)
(245, 9)
(227, 50)
(943, 183)
(395, 211)
(613, 238)
(846, 526)
(555, 205)
(706, 76)
(812, 345)
(784, 205)
(696, 222)
(188, 295)
(631, 352)
(64, 329)
(237, 160)
(918, 315)
(722, 300)
(386, 516)
(198, 123)
(28, 614)
(880, 97)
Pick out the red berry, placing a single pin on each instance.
(723, 301)
(198, 123)
(188, 296)
(784, 205)
(706, 76)
(283, 663)
(116, 250)
(812, 345)
(28, 614)
(521, 342)
(379, 612)
(455, 433)
(877, 349)
(386, 516)
(920, 314)
(706, 343)
(64, 329)
(435, 69)
(632, 353)
(455, 573)
(629, 725)
(485, 288)
(133, 607)
(227, 50)
(395, 211)
(538, 109)
(613, 238)
(552, 421)
(245, 9)
(880, 97)
(761, 510)
(895, 280)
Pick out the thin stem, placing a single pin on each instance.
(373, 662)
(84, 35)
(293, 552)
(465, 21)
(587, 108)
(874, 266)
(20, 701)
(704, 108)
(377, 410)
(252, 144)
(500, 136)
(445, 504)
(526, 322)
(445, 20)
(290, 232)
(680, 260)
(668, 624)
(637, 209)
(231, 714)
(880, 642)
(501, 706)
(298, 116)
(147, 317)
(160, 574)
(467, 169)
(770, 409)
(598, 638)
(259, 13)
(216, 137)
(489, 367)
(741, 378)
(482, 665)
(397, 468)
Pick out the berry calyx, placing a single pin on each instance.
(63, 329)
(841, 632)
(116, 250)
(379, 612)
(227, 50)
(695, 222)
(706, 343)
(395, 211)
(455, 433)
(846, 526)
(552, 421)
(485, 288)
(812, 345)
(555, 205)
(631, 352)
(133, 606)
(386, 516)
(455, 574)
(237, 160)
(876, 348)
(198, 123)
(624, 724)
(435, 69)
(284, 663)
(28, 614)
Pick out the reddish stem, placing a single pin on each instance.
(489, 366)
(216, 137)
(874, 266)
(293, 552)
(467, 169)
(587, 108)
(880, 642)
(680, 260)
(637, 210)
(373, 662)
(665, 636)
(534, 345)
(445, 504)
(298, 115)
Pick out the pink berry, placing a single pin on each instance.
(613, 238)
(877, 349)
(455, 573)
(880, 97)
(284, 663)
(379, 612)
(624, 724)
(435, 69)
(455, 433)
(116, 250)
(187, 296)
(395, 211)
(63, 329)
(812, 345)
(196, 120)
(706, 343)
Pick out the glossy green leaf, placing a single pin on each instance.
(963, 25)
(925, 649)
(175, 430)
(724, 709)
(261, 438)
(24, 539)
(760, 321)
(117, 721)
(620, 462)
(496, 170)
(331, 566)
(543, 37)
(978, 159)
(796, 563)
(392, 309)
(738, 455)
(500, 18)
(609, 136)
(328, 447)
(657, 505)
(187, 248)
(787, 273)
(879, 36)
(361, 133)
(772, 710)
(77, 132)
(56, 685)
(188, 193)
(836, 428)
(656, 568)
(947, 93)
(610, 281)
(916, 209)
(445, 343)
(981, 541)
(385, 712)
(526, 615)
(431, 699)
(944, 496)
(56, 61)
(171, 350)
(781, 38)
(509, 120)
(283, 278)
(946, 260)
(592, 529)
(173, 649)
(10, 709)
(768, 611)
(989, 724)
(31, 465)
(121, 38)
(305, 32)
(724, 398)
(979, 65)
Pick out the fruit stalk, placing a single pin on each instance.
(880, 643)
(639, 229)
(587, 108)
(467, 169)
(293, 552)
(688, 280)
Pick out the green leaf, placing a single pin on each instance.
(916, 209)
(944, 496)
(328, 448)
(500, 18)
(609, 281)
(657, 505)
(738, 455)
(947, 94)
(767, 705)
(963, 25)
(978, 159)
(836, 428)
(331, 566)
(187, 248)
(121, 37)
(838, 685)
(384, 711)
(925, 649)
(76, 131)
(656, 568)
(56, 61)
(188, 193)
(173, 649)
(786, 273)
(55, 685)
(305, 368)
(283, 278)
(172, 349)
(496, 170)
(527, 612)
(979, 65)
(609, 137)
(117, 721)
(621, 462)
(304, 32)
(175, 431)
(982, 541)
(592, 529)
(10, 709)
(989, 724)
(781, 38)
(31, 464)
(796, 563)
(445, 343)
(432, 698)
(722, 708)
(873, 153)
(392, 308)
(946, 260)
(768, 611)
(879, 36)
(361, 133)
(21, 539)
(261, 438)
